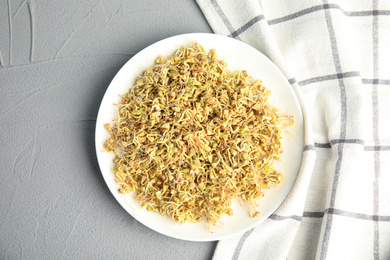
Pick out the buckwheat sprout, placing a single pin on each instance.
(191, 136)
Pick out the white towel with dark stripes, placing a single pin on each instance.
(336, 55)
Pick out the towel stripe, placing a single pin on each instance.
(377, 169)
(376, 81)
(377, 148)
(329, 77)
(222, 15)
(281, 218)
(241, 243)
(247, 26)
(332, 211)
(343, 75)
(343, 125)
(327, 7)
(367, 148)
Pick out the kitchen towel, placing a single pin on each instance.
(336, 56)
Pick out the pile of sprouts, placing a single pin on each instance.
(191, 136)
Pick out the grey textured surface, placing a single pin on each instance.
(57, 59)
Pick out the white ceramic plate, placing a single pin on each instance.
(239, 56)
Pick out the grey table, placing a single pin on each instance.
(57, 59)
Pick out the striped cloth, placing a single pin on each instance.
(336, 56)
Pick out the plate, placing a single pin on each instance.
(239, 56)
